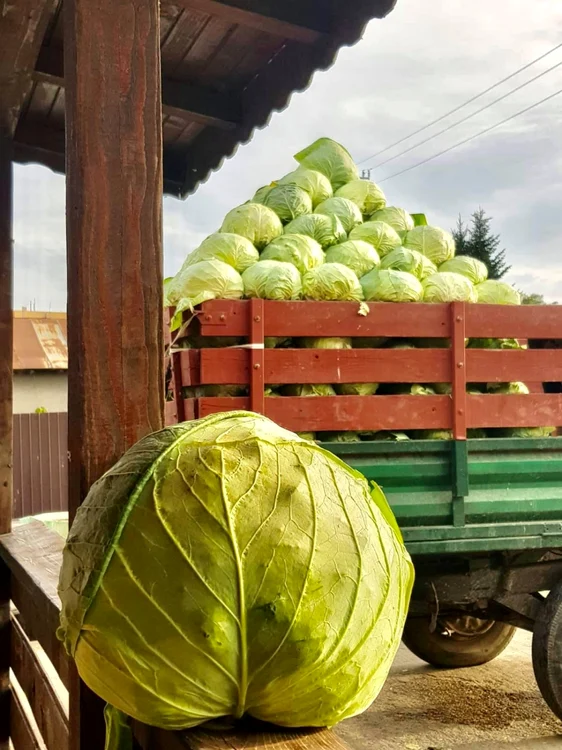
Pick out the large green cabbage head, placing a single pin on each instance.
(330, 158)
(472, 268)
(358, 255)
(448, 287)
(258, 223)
(378, 234)
(404, 259)
(326, 342)
(308, 390)
(436, 244)
(367, 196)
(199, 579)
(272, 279)
(299, 249)
(332, 281)
(391, 286)
(288, 202)
(346, 211)
(317, 185)
(493, 292)
(208, 279)
(399, 219)
(233, 249)
(327, 230)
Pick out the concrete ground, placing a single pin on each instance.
(493, 707)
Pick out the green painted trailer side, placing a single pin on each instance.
(470, 497)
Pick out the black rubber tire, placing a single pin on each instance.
(453, 652)
(547, 650)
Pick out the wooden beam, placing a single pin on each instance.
(23, 732)
(297, 20)
(22, 27)
(6, 332)
(114, 241)
(193, 103)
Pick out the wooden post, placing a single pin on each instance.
(6, 420)
(114, 239)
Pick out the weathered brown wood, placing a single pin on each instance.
(114, 240)
(22, 27)
(50, 716)
(24, 734)
(6, 332)
(5, 643)
(33, 554)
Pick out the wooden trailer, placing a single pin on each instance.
(131, 98)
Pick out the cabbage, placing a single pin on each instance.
(435, 435)
(277, 342)
(307, 435)
(288, 202)
(308, 390)
(332, 281)
(378, 234)
(385, 435)
(448, 287)
(327, 230)
(326, 342)
(369, 342)
(508, 389)
(399, 220)
(261, 193)
(340, 437)
(299, 249)
(208, 279)
(233, 249)
(409, 389)
(272, 279)
(472, 268)
(358, 255)
(258, 223)
(200, 391)
(497, 293)
(367, 196)
(346, 211)
(391, 286)
(436, 244)
(403, 259)
(527, 432)
(356, 389)
(331, 159)
(494, 344)
(199, 580)
(317, 185)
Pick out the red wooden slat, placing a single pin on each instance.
(229, 318)
(257, 402)
(231, 366)
(527, 365)
(357, 413)
(458, 364)
(509, 321)
(533, 410)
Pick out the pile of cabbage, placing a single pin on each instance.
(321, 232)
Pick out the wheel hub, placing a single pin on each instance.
(464, 626)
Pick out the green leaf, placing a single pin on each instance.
(419, 220)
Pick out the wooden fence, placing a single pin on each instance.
(40, 464)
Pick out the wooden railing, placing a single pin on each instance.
(40, 671)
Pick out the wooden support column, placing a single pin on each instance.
(114, 240)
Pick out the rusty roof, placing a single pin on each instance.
(40, 341)
(226, 66)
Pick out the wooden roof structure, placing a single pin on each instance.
(226, 66)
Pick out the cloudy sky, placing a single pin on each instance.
(408, 70)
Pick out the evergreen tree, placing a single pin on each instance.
(479, 242)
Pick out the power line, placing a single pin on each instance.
(461, 106)
(472, 137)
(468, 117)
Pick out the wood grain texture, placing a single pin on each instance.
(23, 732)
(510, 321)
(505, 366)
(533, 410)
(48, 712)
(22, 27)
(5, 656)
(6, 333)
(114, 241)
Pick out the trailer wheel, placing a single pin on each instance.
(547, 650)
(457, 641)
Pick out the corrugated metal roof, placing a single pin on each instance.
(40, 341)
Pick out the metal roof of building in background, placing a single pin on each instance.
(40, 341)
(227, 65)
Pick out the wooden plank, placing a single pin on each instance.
(6, 331)
(503, 366)
(230, 318)
(232, 366)
(511, 321)
(299, 21)
(33, 554)
(24, 733)
(22, 27)
(114, 241)
(50, 716)
(457, 358)
(533, 410)
(5, 647)
(335, 413)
